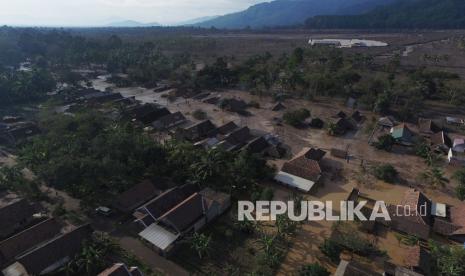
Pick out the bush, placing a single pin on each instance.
(385, 142)
(314, 269)
(386, 173)
(254, 104)
(267, 194)
(199, 114)
(297, 117)
(460, 189)
(331, 249)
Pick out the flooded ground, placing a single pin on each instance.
(340, 176)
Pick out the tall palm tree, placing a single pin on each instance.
(435, 177)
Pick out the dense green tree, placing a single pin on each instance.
(386, 173)
(331, 249)
(313, 269)
(296, 118)
(459, 176)
(449, 260)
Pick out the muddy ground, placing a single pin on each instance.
(340, 176)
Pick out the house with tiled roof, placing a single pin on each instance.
(427, 127)
(178, 211)
(440, 142)
(257, 145)
(301, 172)
(426, 216)
(137, 195)
(418, 259)
(169, 121)
(197, 132)
(227, 128)
(155, 208)
(16, 213)
(452, 223)
(145, 113)
(314, 153)
(342, 126)
(25, 240)
(236, 139)
(387, 122)
(93, 96)
(50, 255)
(415, 218)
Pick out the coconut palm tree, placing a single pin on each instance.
(332, 129)
(435, 178)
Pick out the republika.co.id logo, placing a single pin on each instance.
(318, 211)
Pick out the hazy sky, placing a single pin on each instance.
(91, 12)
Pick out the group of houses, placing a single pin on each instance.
(417, 216)
(14, 129)
(31, 242)
(420, 216)
(430, 131)
(158, 117)
(343, 123)
(165, 216)
(89, 96)
(229, 137)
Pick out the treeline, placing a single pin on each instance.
(304, 73)
(329, 72)
(94, 158)
(18, 87)
(428, 14)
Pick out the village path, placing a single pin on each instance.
(151, 258)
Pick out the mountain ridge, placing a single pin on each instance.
(289, 12)
(428, 14)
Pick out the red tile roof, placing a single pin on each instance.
(418, 259)
(303, 167)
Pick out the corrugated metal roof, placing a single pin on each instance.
(294, 181)
(158, 236)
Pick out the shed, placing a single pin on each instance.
(159, 236)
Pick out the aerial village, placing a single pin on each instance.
(325, 149)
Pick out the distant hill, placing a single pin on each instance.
(195, 20)
(131, 23)
(290, 12)
(430, 14)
